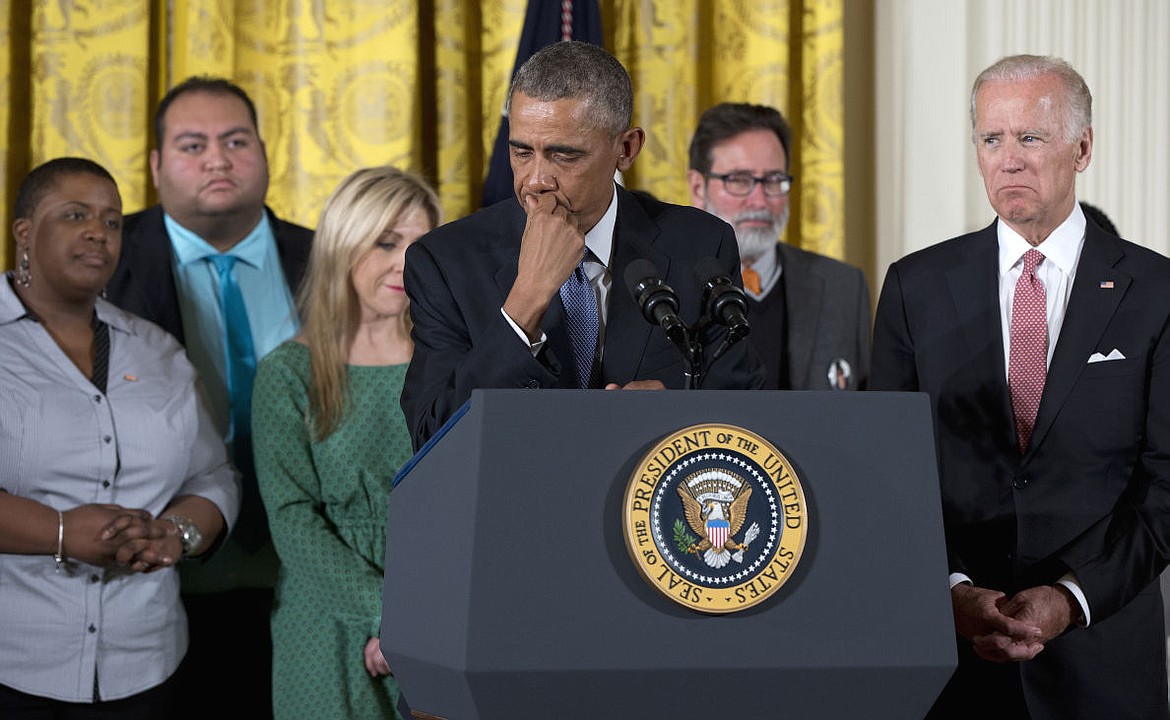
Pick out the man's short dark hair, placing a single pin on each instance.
(574, 69)
(726, 120)
(200, 84)
(43, 177)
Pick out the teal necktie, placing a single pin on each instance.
(251, 530)
(239, 354)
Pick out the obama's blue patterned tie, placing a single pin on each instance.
(581, 319)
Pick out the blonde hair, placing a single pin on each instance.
(355, 215)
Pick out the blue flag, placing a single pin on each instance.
(544, 24)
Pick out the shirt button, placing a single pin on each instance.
(92, 629)
(97, 398)
(107, 438)
(105, 483)
(94, 578)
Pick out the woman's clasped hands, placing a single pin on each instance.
(111, 535)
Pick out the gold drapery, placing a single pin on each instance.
(341, 85)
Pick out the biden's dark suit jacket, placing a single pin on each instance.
(1091, 495)
(459, 275)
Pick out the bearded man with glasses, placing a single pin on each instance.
(809, 313)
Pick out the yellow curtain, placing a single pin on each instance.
(687, 55)
(336, 85)
(6, 121)
(819, 120)
(78, 87)
(474, 50)
(341, 85)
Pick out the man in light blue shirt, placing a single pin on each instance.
(218, 270)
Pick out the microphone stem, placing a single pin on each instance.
(693, 374)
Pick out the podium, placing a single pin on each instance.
(510, 592)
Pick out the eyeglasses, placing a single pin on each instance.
(741, 184)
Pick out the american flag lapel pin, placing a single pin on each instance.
(1106, 285)
(130, 378)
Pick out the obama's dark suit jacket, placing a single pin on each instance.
(459, 275)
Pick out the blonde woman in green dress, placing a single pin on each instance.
(329, 436)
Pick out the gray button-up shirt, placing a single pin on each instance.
(93, 632)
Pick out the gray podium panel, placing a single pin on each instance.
(510, 594)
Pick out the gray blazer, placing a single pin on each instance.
(828, 311)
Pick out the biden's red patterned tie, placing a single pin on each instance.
(1028, 363)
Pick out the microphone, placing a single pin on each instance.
(657, 300)
(723, 301)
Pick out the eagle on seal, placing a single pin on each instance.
(716, 516)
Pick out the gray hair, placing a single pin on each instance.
(573, 69)
(1077, 108)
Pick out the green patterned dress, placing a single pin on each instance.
(326, 504)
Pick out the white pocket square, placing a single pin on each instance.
(1098, 357)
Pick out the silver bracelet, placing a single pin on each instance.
(59, 556)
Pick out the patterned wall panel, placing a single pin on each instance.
(88, 73)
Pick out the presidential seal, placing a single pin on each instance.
(715, 518)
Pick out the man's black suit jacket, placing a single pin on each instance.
(144, 281)
(1092, 493)
(459, 275)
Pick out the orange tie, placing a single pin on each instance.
(751, 280)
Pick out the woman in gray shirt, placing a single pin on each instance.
(110, 468)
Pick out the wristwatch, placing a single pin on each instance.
(189, 534)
